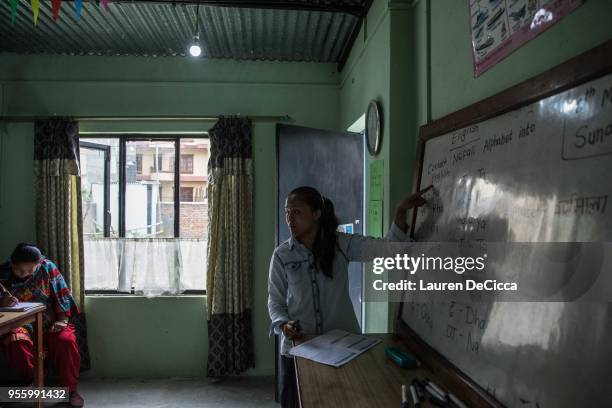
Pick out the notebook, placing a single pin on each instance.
(20, 307)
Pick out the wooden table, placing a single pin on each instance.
(370, 380)
(12, 320)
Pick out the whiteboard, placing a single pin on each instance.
(524, 176)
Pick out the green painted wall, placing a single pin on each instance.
(453, 82)
(161, 337)
(366, 77)
(415, 59)
(381, 67)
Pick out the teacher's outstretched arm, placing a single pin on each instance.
(408, 203)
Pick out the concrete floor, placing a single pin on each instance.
(239, 392)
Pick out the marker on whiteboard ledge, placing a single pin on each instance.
(440, 403)
(435, 387)
(418, 387)
(456, 401)
(433, 393)
(415, 397)
(405, 400)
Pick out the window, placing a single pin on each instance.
(171, 164)
(139, 164)
(140, 236)
(186, 194)
(187, 163)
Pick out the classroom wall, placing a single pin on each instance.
(131, 336)
(453, 85)
(366, 77)
(380, 67)
(414, 57)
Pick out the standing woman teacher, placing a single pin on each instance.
(308, 281)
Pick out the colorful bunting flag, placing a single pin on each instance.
(14, 10)
(35, 6)
(79, 5)
(56, 4)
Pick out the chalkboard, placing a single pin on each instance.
(526, 165)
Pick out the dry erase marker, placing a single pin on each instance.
(419, 389)
(434, 393)
(415, 398)
(435, 387)
(456, 401)
(405, 401)
(440, 403)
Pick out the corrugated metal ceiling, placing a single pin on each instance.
(150, 29)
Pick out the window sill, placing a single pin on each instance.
(144, 297)
(94, 294)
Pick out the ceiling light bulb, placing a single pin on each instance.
(195, 49)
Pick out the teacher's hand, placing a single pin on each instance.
(412, 201)
(8, 301)
(292, 330)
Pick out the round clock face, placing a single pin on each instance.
(373, 128)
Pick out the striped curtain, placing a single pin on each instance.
(230, 248)
(59, 221)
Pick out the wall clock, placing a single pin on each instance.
(373, 127)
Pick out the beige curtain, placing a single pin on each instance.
(59, 221)
(59, 225)
(230, 248)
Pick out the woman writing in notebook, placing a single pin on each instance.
(30, 277)
(308, 280)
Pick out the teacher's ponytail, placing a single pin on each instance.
(324, 247)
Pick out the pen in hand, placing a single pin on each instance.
(292, 329)
(7, 298)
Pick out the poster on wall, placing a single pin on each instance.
(501, 26)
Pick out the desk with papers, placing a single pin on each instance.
(370, 380)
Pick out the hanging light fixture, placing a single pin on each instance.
(195, 50)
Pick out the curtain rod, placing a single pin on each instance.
(285, 118)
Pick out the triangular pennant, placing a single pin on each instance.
(105, 4)
(56, 4)
(35, 6)
(14, 10)
(79, 5)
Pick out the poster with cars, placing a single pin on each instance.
(501, 26)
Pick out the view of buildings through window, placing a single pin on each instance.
(150, 179)
(150, 183)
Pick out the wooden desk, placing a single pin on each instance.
(12, 320)
(371, 380)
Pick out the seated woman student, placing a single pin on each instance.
(30, 277)
(308, 281)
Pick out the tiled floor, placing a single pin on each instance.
(239, 392)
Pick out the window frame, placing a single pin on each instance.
(187, 169)
(123, 140)
(106, 210)
(191, 189)
(139, 163)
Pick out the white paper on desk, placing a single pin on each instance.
(334, 348)
(20, 307)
